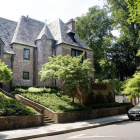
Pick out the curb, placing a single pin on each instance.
(67, 131)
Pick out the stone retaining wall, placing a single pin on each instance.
(16, 122)
(73, 115)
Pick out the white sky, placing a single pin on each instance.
(46, 9)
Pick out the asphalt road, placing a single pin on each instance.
(122, 131)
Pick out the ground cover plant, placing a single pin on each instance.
(10, 107)
(50, 98)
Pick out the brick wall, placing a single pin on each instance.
(44, 50)
(16, 122)
(20, 65)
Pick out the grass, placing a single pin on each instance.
(50, 98)
(10, 107)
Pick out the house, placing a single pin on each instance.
(26, 45)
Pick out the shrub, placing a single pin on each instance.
(10, 107)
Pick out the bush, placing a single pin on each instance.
(27, 87)
(106, 105)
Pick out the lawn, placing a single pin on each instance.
(50, 98)
(10, 107)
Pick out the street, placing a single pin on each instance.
(122, 131)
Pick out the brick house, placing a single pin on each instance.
(26, 45)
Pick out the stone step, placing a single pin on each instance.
(47, 120)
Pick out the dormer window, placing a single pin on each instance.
(0, 49)
(71, 34)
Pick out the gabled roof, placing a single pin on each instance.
(27, 31)
(59, 32)
(7, 29)
(45, 31)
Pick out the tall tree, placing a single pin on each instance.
(94, 28)
(134, 9)
(128, 43)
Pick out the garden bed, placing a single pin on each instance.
(10, 107)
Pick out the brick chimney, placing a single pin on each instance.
(71, 24)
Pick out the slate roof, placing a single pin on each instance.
(7, 29)
(27, 30)
(45, 31)
(59, 31)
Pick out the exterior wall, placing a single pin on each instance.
(20, 65)
(44, 50)
(6, 58)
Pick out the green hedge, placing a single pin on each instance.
(10, 107)
(27, 87)
(105, 105)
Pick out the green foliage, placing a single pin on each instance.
(105, 105)
(134, 9)
(56, 101)
(5, 73)
(94, 28)
(132, 86)
(26, 87)
(71, 70)
(10, 107)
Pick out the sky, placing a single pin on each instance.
(49, 10)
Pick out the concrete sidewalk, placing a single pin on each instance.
(54, 129)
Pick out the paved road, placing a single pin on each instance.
(122, 131)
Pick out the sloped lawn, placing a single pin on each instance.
(56, 101)
(10, 107)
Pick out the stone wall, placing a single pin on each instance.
(44, 50)
(73, 115)
(16, 122)
(21, 65)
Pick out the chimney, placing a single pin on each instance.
(71, 24)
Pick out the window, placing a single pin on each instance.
(25, 75)
(26, 54)
(0, 49)
(75, 53)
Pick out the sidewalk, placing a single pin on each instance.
(54, 129)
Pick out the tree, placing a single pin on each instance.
(132, 86)
(134, 9)
(75, 75)
(5, 73)
(128, 44)
(94, 28)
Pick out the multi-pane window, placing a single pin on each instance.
(0, 49)
(25, 75)
(75, 53)
(26, 53)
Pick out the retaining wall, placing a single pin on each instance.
(73, 115)
(16, 122)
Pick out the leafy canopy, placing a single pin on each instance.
(132, 86)
(71, 70)
(5, 73)
(134, 9)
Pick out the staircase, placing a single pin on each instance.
(47, 120)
